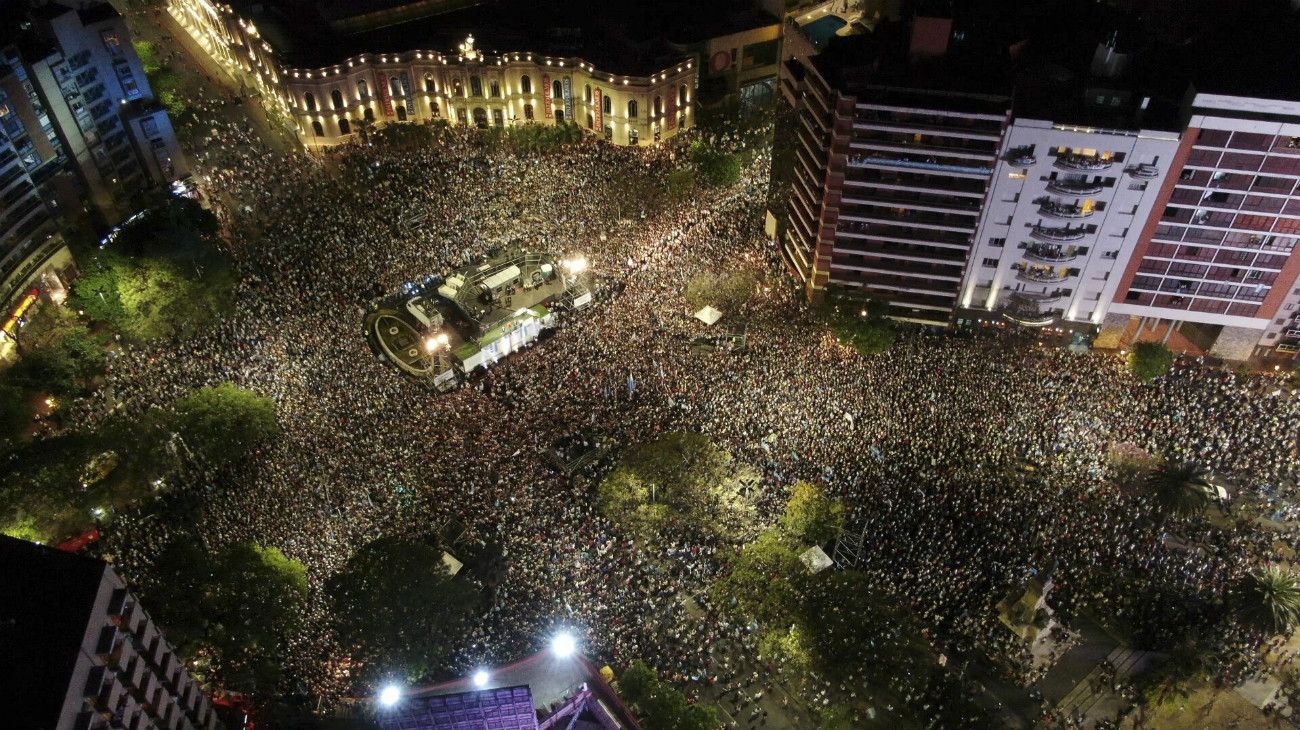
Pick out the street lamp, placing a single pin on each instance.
(433, 342)
(390, 695)
(575, 265)
(481, 678)
(563, 645)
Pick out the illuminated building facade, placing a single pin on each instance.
(465, 86)
(1064, 213)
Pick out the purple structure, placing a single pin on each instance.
(507, 708)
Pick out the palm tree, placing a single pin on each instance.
(1181, 489)
(1270, 599)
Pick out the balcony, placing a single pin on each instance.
(1052, 208)
(1086, 163)
(1144, 171)
(929, 165)
(1022, 156)
(1066, 233)
(1074, 187)
(1052, 254)
(1031, 309)
(1042, 274)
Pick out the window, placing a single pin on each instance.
(433, 108)
(429, 86)
(363, 91)
(494, 88)
(591, 121)
(457, 88)
(317, 128)
(631, 109)
(991, 263)
(681, 95)
(586, 94)
(525, 85)
(997, 242)
(475, 86)
(462, 117)
(528, 110)
(401, 112)
(309, 100)
(336, 98)
(498, 118)
(632, 137)
(480, 117)
(609, 133)
(659, 107)
(607, 103)
(559, 116)
(396, 85)
(368, 114)
(345, 127)
(557, 90)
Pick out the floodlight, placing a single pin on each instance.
(481, 678)
(389, 696)
(564, 645)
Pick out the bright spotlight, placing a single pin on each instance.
(388, 696)
(481, 678)
(564, 645)
(576, 265)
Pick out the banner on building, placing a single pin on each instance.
(568, 100)
(385, 100)
(547, 101)
(600, 108)
(671, 110)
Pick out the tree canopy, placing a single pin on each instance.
(727, 291)
(862, 326)
(250, 600)
(1270, 599)
(1150, 360)
(660, 705)
(397, 608)
(58, 354)
(811, 515)
(222, 424)
(678, 481)
(1180, 489)
(714, 166)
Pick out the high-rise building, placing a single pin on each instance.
(889, 177)
(1216, 264)
(82, 654)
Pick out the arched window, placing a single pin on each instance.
(525, 85)
(494, 88)
(631, 109)
(591, 121)
(401, 112)
(429, 86)
(681, 95)
(336, 97)
(309, 100)
(659, 107)
(396, 85)
(480, 117)
(369, 114)
(557, 90)
(317, 128)
(559, 116)
(457, 88)
(633, 137)
(362, 90)
(528, 110)
(433, 108)
(607, 102)
(476, 86)
(586, 94)
(345, 127)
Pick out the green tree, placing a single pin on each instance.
(715, 167)
(250, 601)
(837, 717)
(42, 480)
(637, 681)
(15, 413)
(675, 481)
(25, 527)
(661, 705)
(1270, 599)
(811, 516)
(864, 328)
(397, 608)
(148, 54)
(681, 183)
(1180, 489)
(224, 423)
(1150, 360)
(765, 580)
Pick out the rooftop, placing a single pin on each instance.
(619, 36)
(47, 596)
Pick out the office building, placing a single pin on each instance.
(82, 654)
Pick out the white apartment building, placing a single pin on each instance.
(1065, 211)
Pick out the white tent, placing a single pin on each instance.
(815, 560)
(708, 315)
(453, 565)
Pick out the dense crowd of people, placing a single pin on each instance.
(970, 463)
